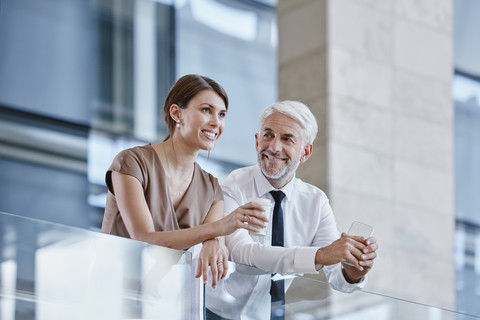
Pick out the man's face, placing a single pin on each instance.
(280, 148)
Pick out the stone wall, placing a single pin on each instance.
(377, 76)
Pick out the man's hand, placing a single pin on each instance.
(369, 253)
(347, 248)
(214, 254)
(358, 251)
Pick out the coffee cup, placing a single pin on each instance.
(267, 207)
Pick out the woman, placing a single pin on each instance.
(159, 194)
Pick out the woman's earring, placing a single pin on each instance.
(178, 123)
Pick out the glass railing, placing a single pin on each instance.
(245, 294)
(50, 271)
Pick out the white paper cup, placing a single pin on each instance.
(267, 207)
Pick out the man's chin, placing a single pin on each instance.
(273, 174)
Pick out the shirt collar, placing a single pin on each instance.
(264, 187)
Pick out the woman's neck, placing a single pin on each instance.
(178, 155)
(178, 165)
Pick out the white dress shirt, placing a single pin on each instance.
(308, 222)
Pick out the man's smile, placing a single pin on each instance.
(274, 156)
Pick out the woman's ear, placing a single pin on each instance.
(175, 112)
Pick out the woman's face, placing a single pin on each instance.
(203, 120)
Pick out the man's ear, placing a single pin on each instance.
(256, 141)
(307, 152)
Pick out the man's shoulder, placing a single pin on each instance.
(308, 190)
(238, 178)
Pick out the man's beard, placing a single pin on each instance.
(288, 169)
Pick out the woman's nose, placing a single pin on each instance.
(214, 121)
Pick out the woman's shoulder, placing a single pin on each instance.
(208, 184)
(138, 155)
(205, 176)
(136, 152)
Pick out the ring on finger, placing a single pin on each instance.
(219, 263)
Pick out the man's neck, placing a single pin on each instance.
(279, 184)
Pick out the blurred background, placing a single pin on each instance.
(81, 80)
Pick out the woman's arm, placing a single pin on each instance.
(214, 253)
(138, 220)
(139, 223)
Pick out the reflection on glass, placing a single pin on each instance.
(50, 271)
(465, 89)
(244, 294)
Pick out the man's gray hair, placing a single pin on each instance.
(297, 111)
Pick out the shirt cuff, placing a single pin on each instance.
(318, 267)
(305, 260)
(349, 287)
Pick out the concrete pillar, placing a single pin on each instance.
(377, 76)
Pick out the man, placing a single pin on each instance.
(311, 241)
(302, 236)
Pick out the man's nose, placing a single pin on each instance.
(275, 145)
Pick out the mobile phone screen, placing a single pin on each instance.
(360, 229)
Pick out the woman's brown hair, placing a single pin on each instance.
(184, 90)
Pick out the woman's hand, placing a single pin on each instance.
(249, 216)
(214, 254)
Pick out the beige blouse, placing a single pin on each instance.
(143, 163)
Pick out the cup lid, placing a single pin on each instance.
(261, 201)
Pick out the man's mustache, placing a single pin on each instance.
(274, 154)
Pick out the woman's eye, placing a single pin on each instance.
(206, 110)
(222, 115)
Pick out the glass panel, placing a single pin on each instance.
(235, 43)
(100, 62)
(49, 271)
(466, 95)
(97, 72)
(45, 193)
(244, 294)
(48, 51)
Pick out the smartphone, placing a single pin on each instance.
(360, 229)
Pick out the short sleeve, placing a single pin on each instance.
(126, 162)
(218, 193)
